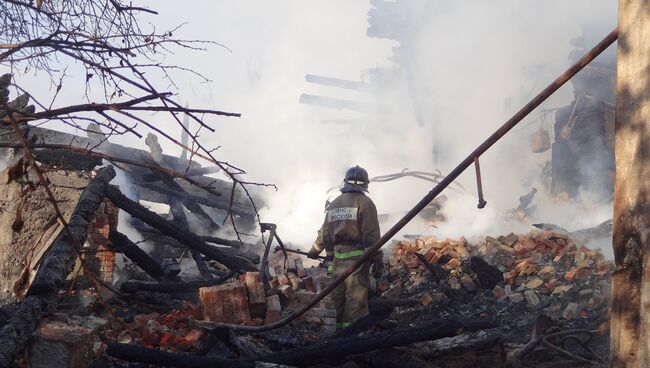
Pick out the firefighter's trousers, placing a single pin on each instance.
(351, 296)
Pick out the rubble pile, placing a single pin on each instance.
(173, 331)
(542, 271)
(246, 301)
(512, 279)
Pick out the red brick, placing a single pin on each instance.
(570, 275)
(194, 335)
(57, 344)
(432, 256)
(453, 263)
(240, 304)
(412, 262)
(272, 316)
(256, 294)
(602, 268)
(522, 265)
(426, 299)
(308, 281)
(225, 303)
(296, 284)
(274, 283)
(583, 273)
(519, 249)
(300, 269)
(284, 280)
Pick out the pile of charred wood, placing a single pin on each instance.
(433, 289)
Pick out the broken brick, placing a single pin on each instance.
(225, 303)
(286, 290)
(308, 281)
(522, 266)
(273, 303)
(300, 269)
(272, 316)
(531, 298)
(256, 294)
(516, 297)
(583, 273)
(453, 263)
(534, 283)
(426, 299)
(468, 283)
(570, 275)
(296, 284)
(506, 249)
(283, 279)
(510, 239)
(58, 344)
(570, 312)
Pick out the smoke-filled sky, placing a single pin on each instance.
(476, 63)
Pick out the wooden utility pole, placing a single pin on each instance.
(630, 318)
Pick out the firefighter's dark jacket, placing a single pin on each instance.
(350, 223)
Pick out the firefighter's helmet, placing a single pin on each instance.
(356, 180)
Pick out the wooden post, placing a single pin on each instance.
(630, 318)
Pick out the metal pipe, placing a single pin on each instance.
(479, 184)
(295, 251)
(489, 142)
(264, 268)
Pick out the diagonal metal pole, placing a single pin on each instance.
(444, 183)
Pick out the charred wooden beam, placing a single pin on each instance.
(178, 215)
(337, 350)
(133, 353)
(156, 236)
(15, 335)
(66, 159)
(60, 259)
(157, 192)
(162, 302)
(437, 273)
(191, 172)
(222, 241)
(171, 286)
(249, 256)
(122, 244)
(379, 309)
(326, 352)
(138, 225)
(187, 238)
(19, 104)
(176, 195)
(43, 135)
(191, 205)
(51, 275)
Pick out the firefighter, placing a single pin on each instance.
(350, 226)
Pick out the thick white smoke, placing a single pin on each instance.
(476, 63)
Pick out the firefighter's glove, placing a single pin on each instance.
(377, 268)
(312, 254)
